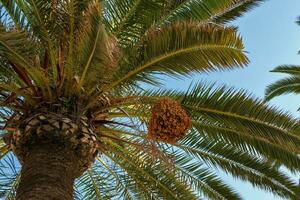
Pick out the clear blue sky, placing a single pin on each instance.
(272, 38)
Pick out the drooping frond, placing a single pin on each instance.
(237, 118)
(202, 180)
(161, 181)
(290, 84)
(238, 163)
(284, 86)
(180, 49)
(214, 11)
(287, 69)
(96, 184)
(249, 143)
(238, 110)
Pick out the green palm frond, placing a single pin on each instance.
(183, 48)
(128, 24)
(238, 110)
(161, 181)
(235, 118)
(122, 186)
(290, 84)
(249, 143)
(284, 86)
(237, 163)
(202, 179)
(125, 20)
(288, 69)
(215, 11)
(96, 185)
(74, 10)
(92, 48)
(36, 11)
(12, 47)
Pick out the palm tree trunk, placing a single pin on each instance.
(48, 173)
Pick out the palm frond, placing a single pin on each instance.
(238, 110)
(12, 45)
(122, 186)
(125, 20)
(238, 163)
(233, 117)
(128, 24)
(288, 69)
(283, 86)
(95, 185)
(36, 11)
(290, 84)
(96, 49)
(253, 144)
(159, 179)
(214, 11)
(201, 178)
(183, 48)
(74, 9)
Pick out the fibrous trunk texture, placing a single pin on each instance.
(48, 173)
(53, 150)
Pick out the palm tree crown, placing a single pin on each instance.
(85, 62)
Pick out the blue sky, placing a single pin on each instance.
(271, 38)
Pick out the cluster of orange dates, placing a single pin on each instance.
(168, 122)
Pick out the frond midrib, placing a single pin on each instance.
(273, 92)
(234, 115)
(170, 55)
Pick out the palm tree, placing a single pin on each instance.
(76, 114)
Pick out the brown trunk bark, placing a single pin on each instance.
(48, 173)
